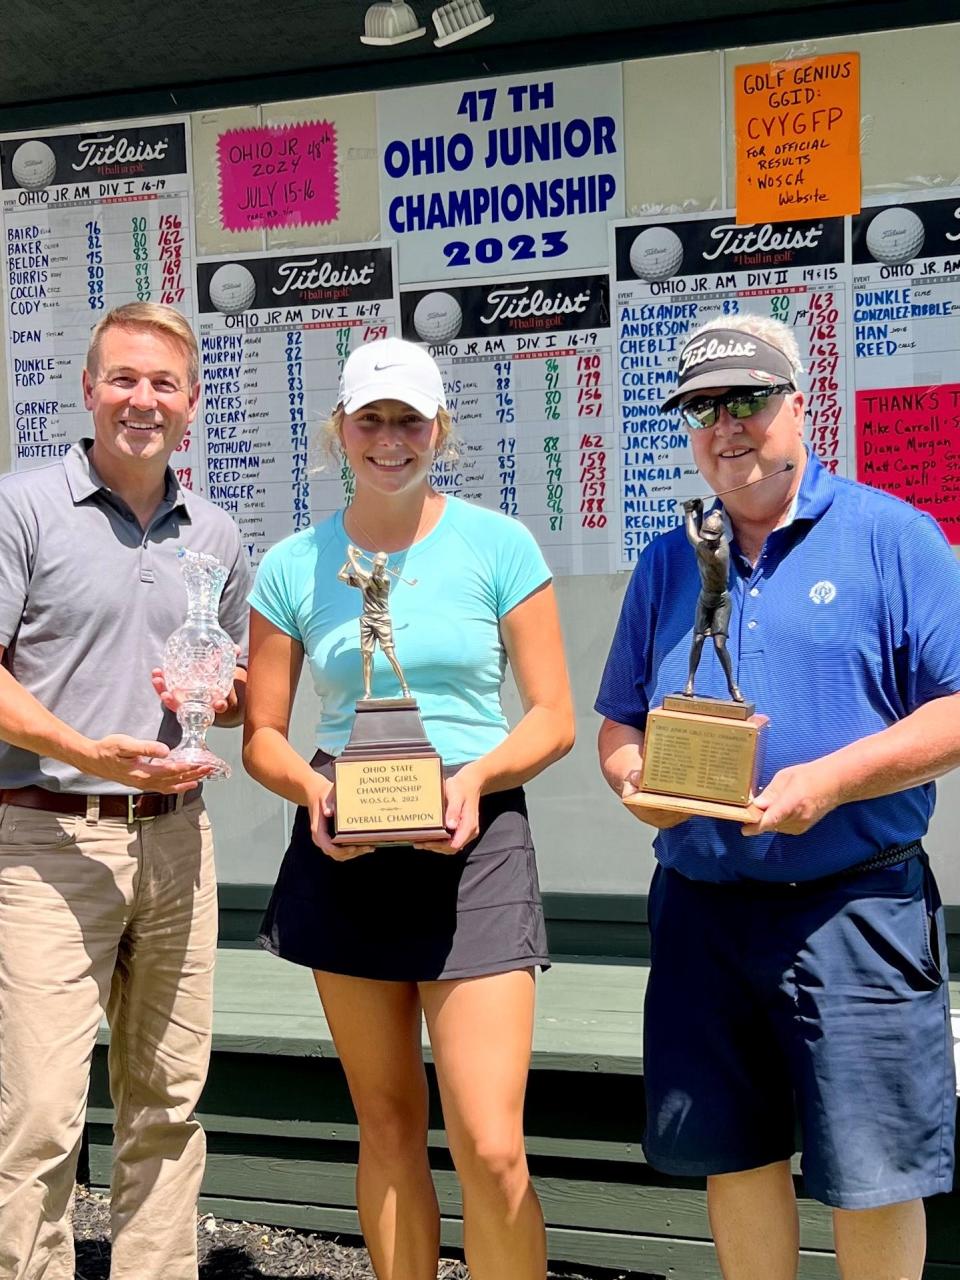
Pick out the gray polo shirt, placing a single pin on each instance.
(88, 599)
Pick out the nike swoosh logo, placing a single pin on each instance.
(379, 368)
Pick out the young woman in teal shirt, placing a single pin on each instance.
(452, 931)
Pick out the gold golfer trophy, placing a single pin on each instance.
(704, 755)
(389, 777)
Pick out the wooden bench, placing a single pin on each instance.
(282, 1135)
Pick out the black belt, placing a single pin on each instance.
(889, 857)
(893, 856)
(140, 807)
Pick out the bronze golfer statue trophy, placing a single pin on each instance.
(703, 755)
(389, 778)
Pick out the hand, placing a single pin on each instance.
(461, 814)
(693, 505)
(663, 819)
(321, 809)
(795, 799)
(173, 703)
(143, 765)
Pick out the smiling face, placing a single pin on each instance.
(389, 446)
(737, 451)
(141, 399)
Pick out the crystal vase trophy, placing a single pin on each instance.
(199, 660)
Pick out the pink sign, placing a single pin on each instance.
(908, 442)
(278, 176)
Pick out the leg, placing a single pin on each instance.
(873, 1054)
(366, 659)
(753, 1217)
(64, 890)
(481, 1030)
(391, 656)
(881, 1244)
(376, 1028)
(695, 650)
(720, 644)
(161, 1012)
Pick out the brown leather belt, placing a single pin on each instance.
(140, 807)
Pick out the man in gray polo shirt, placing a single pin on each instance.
(107, 890)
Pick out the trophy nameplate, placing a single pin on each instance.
(389, 778)
(702, 756)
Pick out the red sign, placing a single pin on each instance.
(908, 443)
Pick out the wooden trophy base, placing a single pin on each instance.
(693, 808)
(389, 778)
(702, 756)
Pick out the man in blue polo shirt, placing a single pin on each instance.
(799, 963)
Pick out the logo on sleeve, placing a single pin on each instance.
(823, 592)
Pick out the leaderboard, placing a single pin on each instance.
(527, 363)
(906, 276)
(275, 330)
(671, 277)
(91, 220)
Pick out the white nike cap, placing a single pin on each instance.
(392, 369)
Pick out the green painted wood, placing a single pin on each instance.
(326, 1131)
(602, 925)
(588, 1015)
(284, 1171)
(273, 1055)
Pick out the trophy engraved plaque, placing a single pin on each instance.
(704, 762)
(389, 777)
(704, 755)
(199, 660)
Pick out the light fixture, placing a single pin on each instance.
(391, 23)
(458, 19)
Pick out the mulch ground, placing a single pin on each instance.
(246, 1251)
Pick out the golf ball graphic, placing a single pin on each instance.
(895, 235)
(232, 288)
(34, 165)
(438, 317)
(656, 254)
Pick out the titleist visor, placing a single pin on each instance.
(728, 358)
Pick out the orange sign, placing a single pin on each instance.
(798, 138)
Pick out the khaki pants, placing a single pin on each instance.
(100, 916)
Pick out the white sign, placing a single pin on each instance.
(275, 329)
(669, 276)
(527, 366)
(495, 177)
(92, 219)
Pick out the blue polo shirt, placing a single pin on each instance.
(849, 621)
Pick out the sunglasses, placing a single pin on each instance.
(741, 402)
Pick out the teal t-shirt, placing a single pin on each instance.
(473, 567)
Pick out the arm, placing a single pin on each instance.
(545, 732)
(620, 747)
(276, 660)
(26, 723)
(917, 749)
(692, 511)
(353, 571)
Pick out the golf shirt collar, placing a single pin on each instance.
(812, 499)
(83, 479)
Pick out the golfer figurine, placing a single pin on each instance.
(374, 586)
(705, 535)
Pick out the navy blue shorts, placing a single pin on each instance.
(818, 1009)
